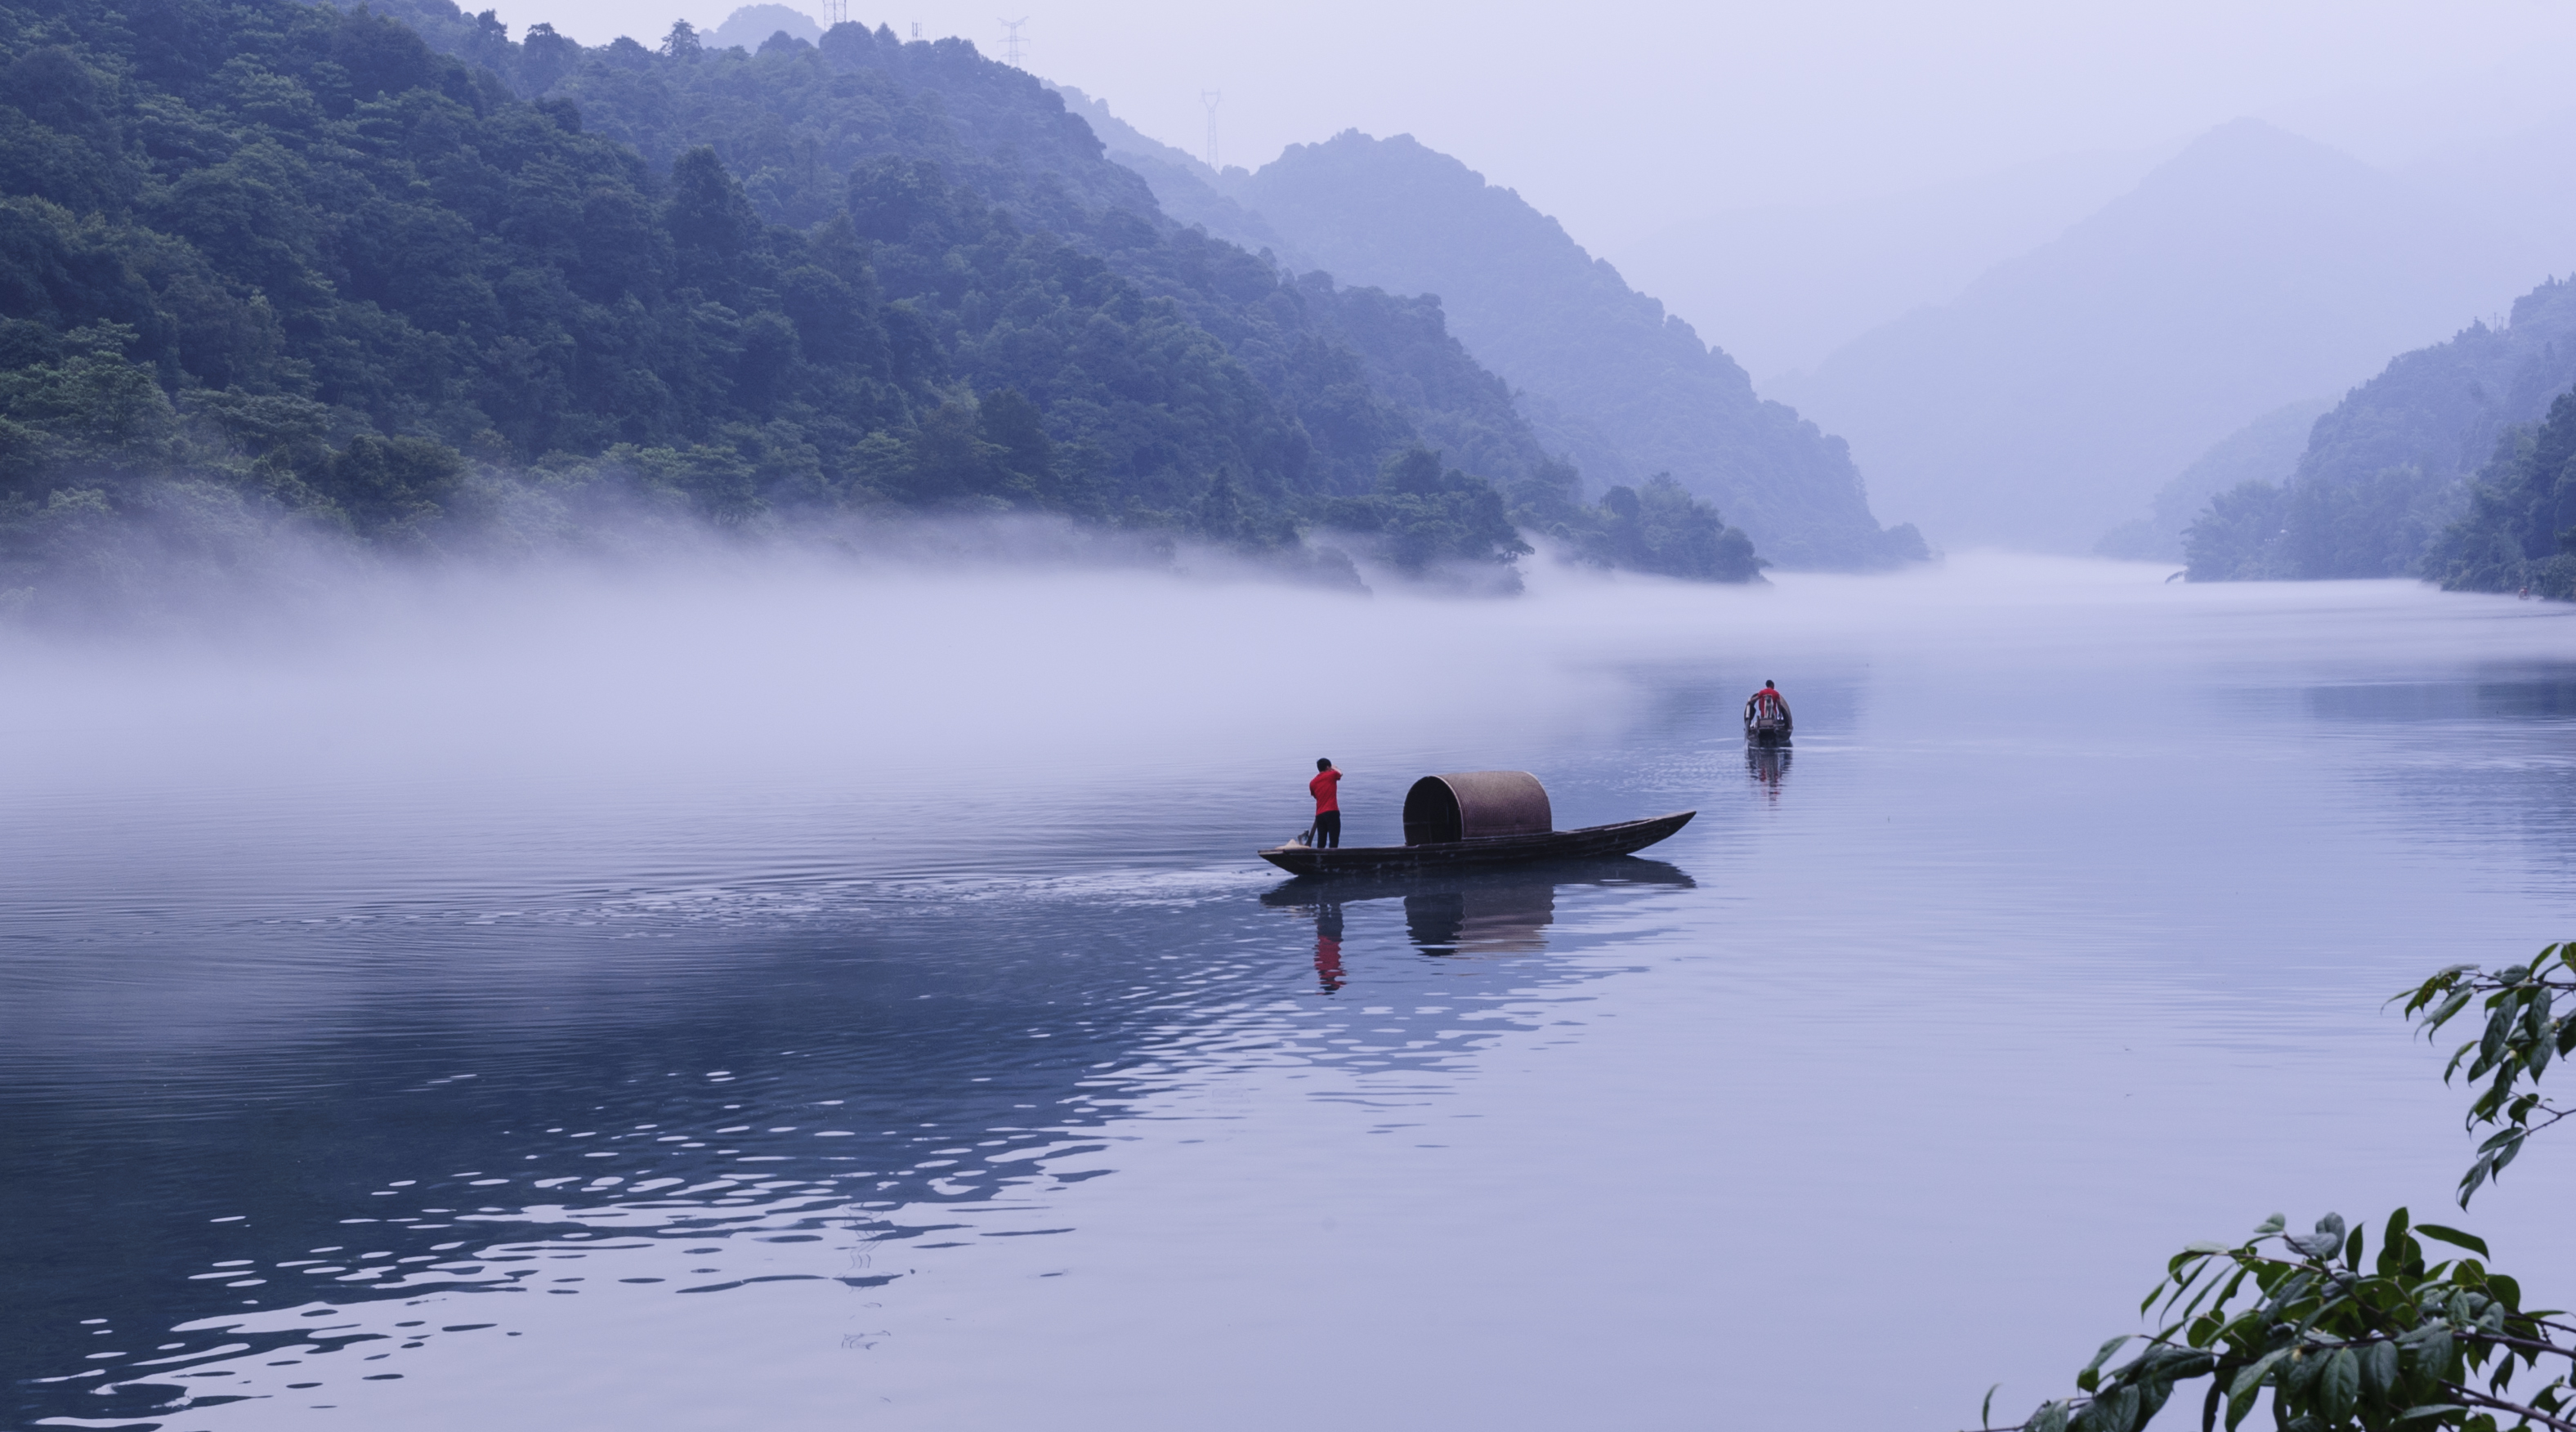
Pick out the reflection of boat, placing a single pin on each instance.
(1465, 912)
(1768, 765)
(1307, 892)
(1472, 818)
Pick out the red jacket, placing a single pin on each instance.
(1328, 796)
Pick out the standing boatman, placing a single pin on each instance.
(1326, 788)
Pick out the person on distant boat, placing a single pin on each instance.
(1768, 702)
(1326, 787)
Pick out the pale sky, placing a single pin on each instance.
(1620, 117)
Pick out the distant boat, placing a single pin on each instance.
(1766, 725)
(1477, 818)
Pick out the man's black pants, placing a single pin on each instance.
(1328, 829)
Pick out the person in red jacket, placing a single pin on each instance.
(1328, 805)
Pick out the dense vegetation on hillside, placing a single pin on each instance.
(2387, 474)
(269, 264)
(1604, 374)
(2264, 450)
(2519, 532)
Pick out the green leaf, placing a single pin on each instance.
(2455, 1238)
(2253, 1377)
(2433, 1354)
(2430, 1409)
(2339, 1385)
(2051, 1417)
(2458, 1001)
(2380, 1368)
(2114, 1412)
(2271, 1225)
(2091, 1376)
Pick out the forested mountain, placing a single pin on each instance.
(268, 262)
(2389, 468)
(2265, 450)
(1605, 375)
(1185, 187)
(2519, 530)
(2052, 397)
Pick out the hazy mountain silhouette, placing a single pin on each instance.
(751, 26)
(2389, 469)
(2061, 389)
(1788, 284)
(1182, 184)
(2264, 450)
(1607, 376)
(1604, 374)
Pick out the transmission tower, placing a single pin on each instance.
(1211, 98)
(916, 29)
(839, 9)
(1011, 41)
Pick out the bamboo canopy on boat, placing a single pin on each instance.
(1470, 805)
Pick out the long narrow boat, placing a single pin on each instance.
(1477, 818)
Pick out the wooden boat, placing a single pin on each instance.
(1765, 726)
(1477, 818)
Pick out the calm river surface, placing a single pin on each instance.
(793, 1001)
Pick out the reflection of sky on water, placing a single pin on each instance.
(2063, 942)
(699, 1117)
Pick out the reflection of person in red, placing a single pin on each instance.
(1767, 765)
(1326, 787)
(1328, 947)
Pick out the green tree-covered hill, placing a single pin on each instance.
(1607, 377)
(2391, 468)
(264, 263)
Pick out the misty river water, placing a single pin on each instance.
(796, 1000)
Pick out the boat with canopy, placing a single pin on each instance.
(1474, 818)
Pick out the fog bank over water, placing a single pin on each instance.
(546, 713)
(823, 998)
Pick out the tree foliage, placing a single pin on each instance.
(1657, 526)
(2341, 1344)
(2390, 482)
(2338, 1342)
(285, 251)
(2520, 528)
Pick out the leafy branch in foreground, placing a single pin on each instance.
(2520, 1038)
(2404, 1344)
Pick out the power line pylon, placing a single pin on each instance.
(1011, 41)
(1211, 98)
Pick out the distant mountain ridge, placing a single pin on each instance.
(2059, 391)
(2264, 450)
(1604, 375)
(2386, 475)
